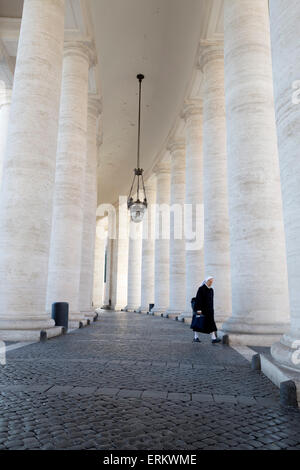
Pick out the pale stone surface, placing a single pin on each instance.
(148, 248)
(162, 242)
(90, 207)
(99, 264)
(120, 246)
(259, 274)
(215, 193)
(67, 221)
(285, 17)
(5, 102)
(134, 266)
(177, 245)
(29, 170)
(108, 274)
(194, 219)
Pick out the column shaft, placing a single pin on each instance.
(215, 193)
(148, 248)
(258, 264)
(194, 218)
(134, 266)
(67, 222)
(177, 242)
(89, 209)
(5, 102)
(162, 241)
(120, 260)
(29, 170)
(100, 246)
(284, 17)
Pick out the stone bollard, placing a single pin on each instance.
(288, 394)
(256, 363)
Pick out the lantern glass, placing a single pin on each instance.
(137, 211)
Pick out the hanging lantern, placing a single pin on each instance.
(138, 207)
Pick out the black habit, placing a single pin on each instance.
(205, 303)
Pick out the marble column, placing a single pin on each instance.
(162, 241)
(284, 18)
(120, 246)
(5, 102)
(215, 192)
(148, 248)
(260, 306)
(134, 266)
(89, 210)
(28, 174)
(99, 264)
(194, 218)
(67, 221)
(177, 296)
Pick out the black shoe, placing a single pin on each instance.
(217, 340)
(196, 340)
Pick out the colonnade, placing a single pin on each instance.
(228, 169)
(48, 195)
(231, 179)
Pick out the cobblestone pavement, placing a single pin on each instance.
(134, 381)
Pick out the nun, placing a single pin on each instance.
(204, 304)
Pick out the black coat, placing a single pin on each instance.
(205, 303)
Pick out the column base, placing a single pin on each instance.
(186, 317)
(241, 325)
(286, 352)
(158, 311)
(77, 320)
(90, 315)
(31, 335)
(278, 374)
(131, 308)
(174, 314)
(264, 340)
(117, 308)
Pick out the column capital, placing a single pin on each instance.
(208, 51)
(176, 145)
(84, 49)
(162, 167)
(192, 109)
(94, 105)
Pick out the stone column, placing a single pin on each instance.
(162, 241)
(89, 210)
(194, 218)
(120, 248)
(215, 192)
(134, 266)
(5, 102)
(148, 248)
(260, 304)
(29, 171)
(284, 17)
(100, 246)
(177, 297)
(67, 222)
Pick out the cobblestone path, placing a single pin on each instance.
(134, 381)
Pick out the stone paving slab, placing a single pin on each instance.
(133, 382)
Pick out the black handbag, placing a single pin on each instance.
(198, 323)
